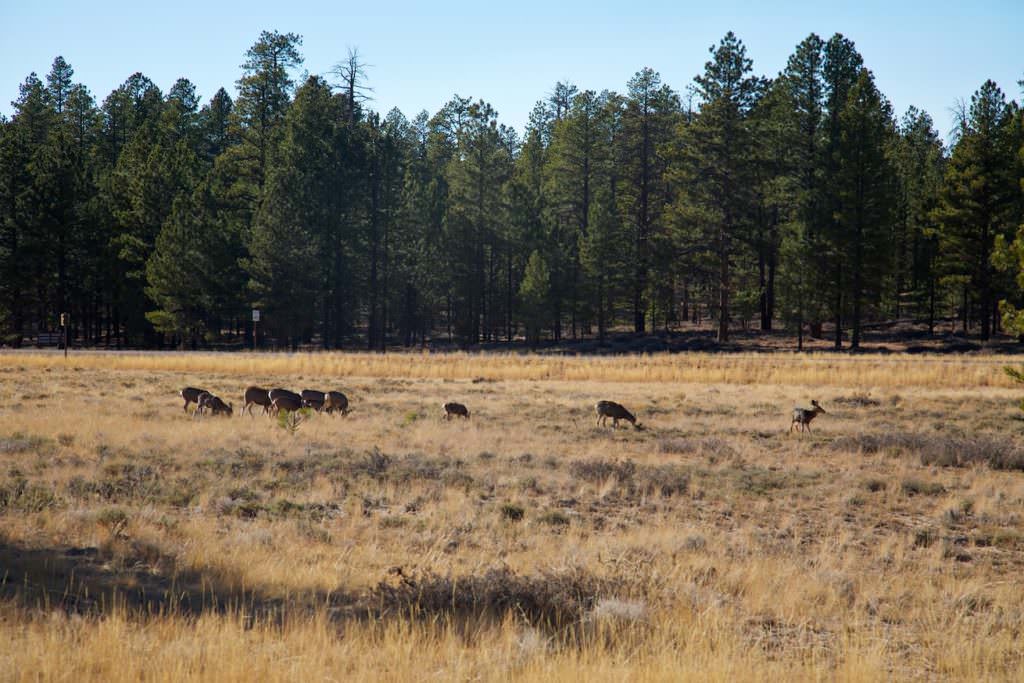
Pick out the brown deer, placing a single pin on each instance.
(335, 400)
(256, 396)
(191, 395)
(314, 399)
(803, 416)
(274, 393)
(216, 406)
(616, 412)
(452, 409)
(286, 401)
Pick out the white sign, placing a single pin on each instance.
(255, 315)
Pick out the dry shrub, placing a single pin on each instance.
(123, 481)
(869, 443)
(858, 400)
(913, 487)
(598, 471)
(636, 480)
(665, 480)
(708, 445)
(23, 496)
(549, 599)
(18, 443)
(943, 450)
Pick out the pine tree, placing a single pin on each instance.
(21, 252)
(649, 118)
(534, 292)
(865, 193)
(475, 208)
(804, 267)
(841, 67)
(919, 160)
(977, 198)
(715, 172)
(298, 228)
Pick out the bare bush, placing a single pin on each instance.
(550, 599)
(943, 450)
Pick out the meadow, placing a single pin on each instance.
(527, 543)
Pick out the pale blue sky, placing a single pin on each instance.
(928, 54)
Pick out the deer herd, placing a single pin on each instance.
(274, 401)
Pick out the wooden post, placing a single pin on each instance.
(255, 326)
(64, 330)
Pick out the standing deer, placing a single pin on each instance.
(803, 416)
(191, 395)
(256, 396)
(335, 400)
(452, 409)
(616, 412)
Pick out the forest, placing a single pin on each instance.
(800, 202)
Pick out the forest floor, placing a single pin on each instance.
(526, 543)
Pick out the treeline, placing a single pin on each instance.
(801, 201)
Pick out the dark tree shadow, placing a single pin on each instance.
(137, 579)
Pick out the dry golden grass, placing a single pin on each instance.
(140, 543)
(832, 369)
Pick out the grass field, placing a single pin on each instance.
(137, 542)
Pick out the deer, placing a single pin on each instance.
(616, 412)
(335, 400)
(286, 401)
(255, 396)
(201, 402)
(313, 399)
(216, 406)
(274, 393)
(803, 416)
(191, 395)
(452, 409)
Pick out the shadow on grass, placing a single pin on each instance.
(93, 581)
(96, 581)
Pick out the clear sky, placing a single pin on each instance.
(927, 54)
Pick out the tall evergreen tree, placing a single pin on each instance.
(298, 226)
(919, 159)
(865, 189)
(976, 203)
(649, 118)
(715, 172)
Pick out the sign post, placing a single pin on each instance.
(255, 321)
(64, 330)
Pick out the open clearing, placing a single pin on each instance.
(526, 543)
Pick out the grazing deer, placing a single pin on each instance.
(616, 412)
(274, 393)
(287, 401)
(335, 400)
(451, 409)
(803, 416)
(313, 399)
(216, 406)
(191, 395)
(257, 396)
(201, 402)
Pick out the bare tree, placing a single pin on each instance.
(352, 73)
